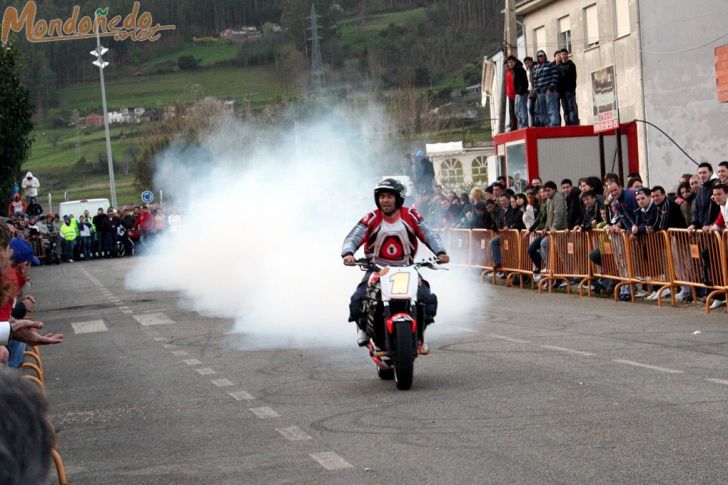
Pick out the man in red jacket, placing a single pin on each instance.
(389, 235)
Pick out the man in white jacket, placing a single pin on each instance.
(30, 185)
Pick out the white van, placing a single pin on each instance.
(76, 207)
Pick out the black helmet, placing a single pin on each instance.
(390, 186)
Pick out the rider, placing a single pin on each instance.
(389, 235)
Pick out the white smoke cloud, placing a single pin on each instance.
(265, 211)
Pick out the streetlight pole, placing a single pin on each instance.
(101, 64)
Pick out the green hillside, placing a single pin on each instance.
(255, 84)
(357, 33)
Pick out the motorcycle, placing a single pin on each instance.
(124, 242)
(394, 318)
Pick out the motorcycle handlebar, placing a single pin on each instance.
(367, 264)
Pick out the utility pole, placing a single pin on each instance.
(101, 64)
(510, 47)
(317, 75)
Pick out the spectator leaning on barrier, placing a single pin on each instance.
(573, 202)
(555, 220)
(669, 215)
(477, 218)
(720, 197)
(646, 216)
(722, 172)
(687, 196)
(720, 192)
(15, 277)
(623, 206)
(704, 209)
(590, 215)
(528, 216)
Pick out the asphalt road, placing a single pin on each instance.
(544, 389)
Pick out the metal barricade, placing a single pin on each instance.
(568, 260)
(650, 263)
(525, 265)
(615, 256)
(481, 253)
(458, 247)
(39, 248)
(698, 261)
(510, 253)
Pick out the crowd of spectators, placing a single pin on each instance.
(107, 233)
(697, 202)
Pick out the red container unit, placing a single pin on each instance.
(573, 152)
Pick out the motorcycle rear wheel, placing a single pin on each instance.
(404, 363)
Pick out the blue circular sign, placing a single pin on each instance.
(147, 196)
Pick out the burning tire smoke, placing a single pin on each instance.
(264, 213)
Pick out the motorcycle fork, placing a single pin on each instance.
(388, 337)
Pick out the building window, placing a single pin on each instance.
(539, 36)
(564, 33)
(480, 170)
(621, 17)
(451, 173)
(591, 27)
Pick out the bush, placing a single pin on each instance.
(188, 63)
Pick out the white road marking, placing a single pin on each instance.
(180, 353)
(192, 361)
(509, 339)
(718, 381)
(264, 412)
(127, 311)
(169, 346)
(160, 339)
(206, 371)
(648, 366)
(569, 351)
(222, 382)
(331, 461)
(92, 326)
(153, 319)
(294, 433)
(241, 396)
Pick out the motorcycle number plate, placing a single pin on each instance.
(400, 283)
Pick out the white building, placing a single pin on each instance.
(663, 53)
(459, 167)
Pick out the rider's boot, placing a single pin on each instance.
(362, 339)
(422, 347)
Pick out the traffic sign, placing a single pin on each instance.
(147, 196)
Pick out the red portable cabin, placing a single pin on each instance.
(560, 152)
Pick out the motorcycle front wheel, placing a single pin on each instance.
(404, 362)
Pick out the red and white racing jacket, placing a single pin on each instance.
(392, 240)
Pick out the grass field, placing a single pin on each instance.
(357, 34)
(207, 53)
(257, 84)
(54, 165)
